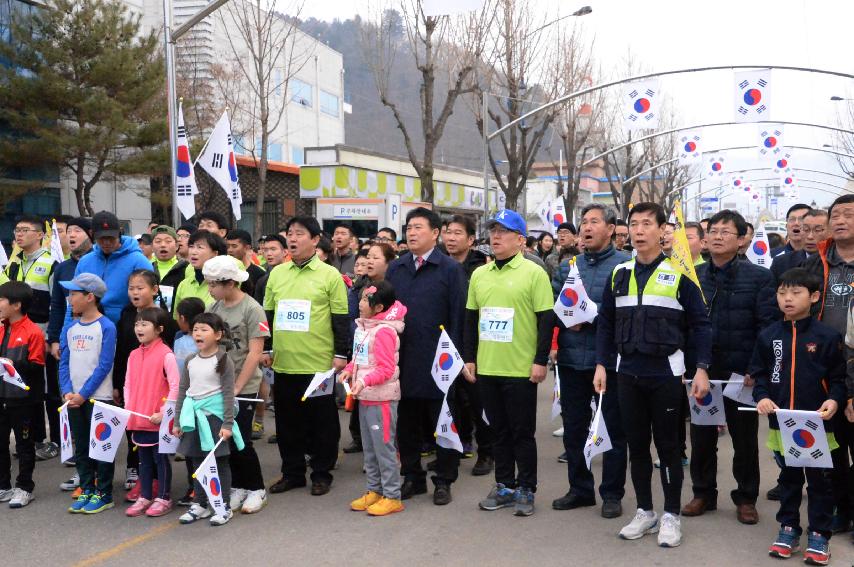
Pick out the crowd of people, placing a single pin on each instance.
(229, 331)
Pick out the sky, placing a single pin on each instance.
(668, 34)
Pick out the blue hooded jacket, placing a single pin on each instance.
(115, 270)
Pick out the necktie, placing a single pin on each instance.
(419, 261)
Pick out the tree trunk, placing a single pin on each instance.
(80, 183)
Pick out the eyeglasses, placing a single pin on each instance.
(722, 233)
(183, 236)
(25, 230)
(813, 230)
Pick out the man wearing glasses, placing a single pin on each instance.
(794, 234)
(387, 235)
(814, 230)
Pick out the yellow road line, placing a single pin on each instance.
(125, 545)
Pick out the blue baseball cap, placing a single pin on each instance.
(511, 220)
(89, 283)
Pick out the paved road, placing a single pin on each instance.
(299, 529)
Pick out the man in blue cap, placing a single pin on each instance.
(507, 336)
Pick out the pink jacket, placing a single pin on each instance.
(152, 374)
(375, 354)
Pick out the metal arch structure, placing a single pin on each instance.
(731, 193)
(709, 125)
(678, 189)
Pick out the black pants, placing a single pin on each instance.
(649, 406)
(744, 432)
(20, 420)
(52, 400)
(245, 466)
(305, 428)
(470, 416)
(200, 496)
(819, 497)
(843, 470)
(511, 407)
(411, 434)
(576, 389)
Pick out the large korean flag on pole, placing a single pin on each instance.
(185, 179)
(573, 306)
(447, 362)
(106, 431)
(218, 160)
(691, 147)
(759, 251)
(708, 410)
(770, 141)
(208, 476)
(752, 96)
(641, 104)
(804, 439)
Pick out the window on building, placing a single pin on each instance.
(239, 147)
(297, 155)
(302, 93)
(269, 218)
(274, 152)
(329, 103)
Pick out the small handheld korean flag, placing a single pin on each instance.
(321, 385)
(218, 160)
(752, 95)
(56, 253)
(691, 147)
(447, 363)
(556, 396)
(4, 258)
(708, 410)
(715, 167)
(208, 476)
(804, 439)
(736, 390)
(10, 375)
(770, 141)
(573, 306)
(640, 105)
(759, 251)
(446, 430)
(185, 183)
(66, 447)
(598, 440)
(106, 431)
(167, 443)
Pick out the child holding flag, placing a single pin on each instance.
(798, 364)
(88, 347)
(22, 346)
(152, 376)
(206, 405)
(373, 377)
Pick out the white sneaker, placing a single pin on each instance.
(131, 477)
(6, 495)
(670, 534)
(238, 496)
(643, 523)
(557, 432)
(70, 484)
(254, 502)
(218, 520)
(20, 498)
(196, 512)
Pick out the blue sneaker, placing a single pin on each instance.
(524, 505)
(80, 503)
(499, 497)
(98, 503)
(786, 544)
(818, 550)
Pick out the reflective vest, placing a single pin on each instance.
(650, 322)
(35, 271)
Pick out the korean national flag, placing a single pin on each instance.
(66, 447)
(752, 95)
(106, 431)
(321, 384)
(446, 430)
(598, 440)
(691, 147)
(715, 167)
(640, 105)
(185, 185)
(573, 306)
(208, 476)
(219, 161)
(736, 390)
(804, 439)
(737, 183)
(556, 396)
(447, 363)
(10, 374)
(770, 142)
(759, 251)
(710, 409)
(167, 443)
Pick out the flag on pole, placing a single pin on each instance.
(446, 430)
(208, 476)
(436, 8)
(10, 374)
(804, 440)
(557, 213)
(788, 182)
(543, 211)
(752, 96)
(737, 391)
(783, 163)
(56, 253)
(737, 183)
(447, 362)
(709, 410)
(556, 396)
(218, 160)
(321, 385)
(691, 147)
(759, 251)
(681, 258)
(640, 104)
(167, 443)
(573, 306)
(598, 440)
(66, 447)
(106, 431)
(185, 181)
(715, 167)
(770, 141)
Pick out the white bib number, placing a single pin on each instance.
(293, 315)
(496, 324)
(360, 347)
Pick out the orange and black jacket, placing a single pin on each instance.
(23, 343)
(817, 264)
(799, 365)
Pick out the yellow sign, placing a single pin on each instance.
(681, 258)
